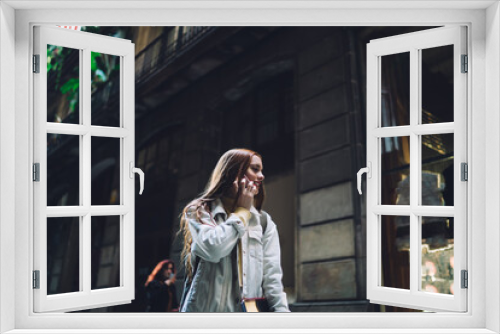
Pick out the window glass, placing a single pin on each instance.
(63, 84)
(395, 170)
(105, 77)
(63, 254)
(395, 252)
(437, 254)
(395, 89)
(63, 170)
(437, 85)
(105, 171)
(437, 170)
(105, 238)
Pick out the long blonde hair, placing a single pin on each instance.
(232, 165)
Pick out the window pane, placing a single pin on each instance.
(63, 84)
(105, 251)
(63, 170)
(105, 171)
(395, 170)
(395, 252)
(63, 255)
(437, 254)
(395, 99)
(437, 170)
(437, 84)
(105, 89)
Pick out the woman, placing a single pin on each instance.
(160, 288)
(226, 214)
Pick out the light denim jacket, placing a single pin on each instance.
(215, 287)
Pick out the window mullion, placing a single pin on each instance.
(392, 210)
(127, 155)
(123, 193)
(85, 166)
(85, 273)
(415, 184)
(81, 257)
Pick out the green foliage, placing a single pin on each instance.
(103, 67)
(59, 59)
(72, 85)
(93, 60)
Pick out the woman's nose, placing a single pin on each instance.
(261, 177)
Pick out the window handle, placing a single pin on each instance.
(141, 175)
(368, 171)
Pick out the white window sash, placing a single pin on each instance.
(414, 297)
(86, 297)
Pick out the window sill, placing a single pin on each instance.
(251, 331)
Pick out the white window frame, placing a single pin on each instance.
(483, 121)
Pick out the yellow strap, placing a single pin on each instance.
(243, 214)
(240, 265)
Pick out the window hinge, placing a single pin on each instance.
(36, 63)
(36, 172)
(36, 279)
(465, 279)
(465, 64)
(464, 171)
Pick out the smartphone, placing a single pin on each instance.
(247, 179)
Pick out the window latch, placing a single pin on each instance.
(141, 175)
(368, 171)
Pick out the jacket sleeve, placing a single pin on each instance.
(272, 284)
(212, 241)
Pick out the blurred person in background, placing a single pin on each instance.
(160, 288)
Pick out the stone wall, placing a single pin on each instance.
(331, 263)
(327, 234)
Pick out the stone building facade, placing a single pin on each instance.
(293, 94)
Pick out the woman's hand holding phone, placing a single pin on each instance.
(248, 191)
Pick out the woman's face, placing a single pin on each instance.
(254, 172)
(169, 271)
